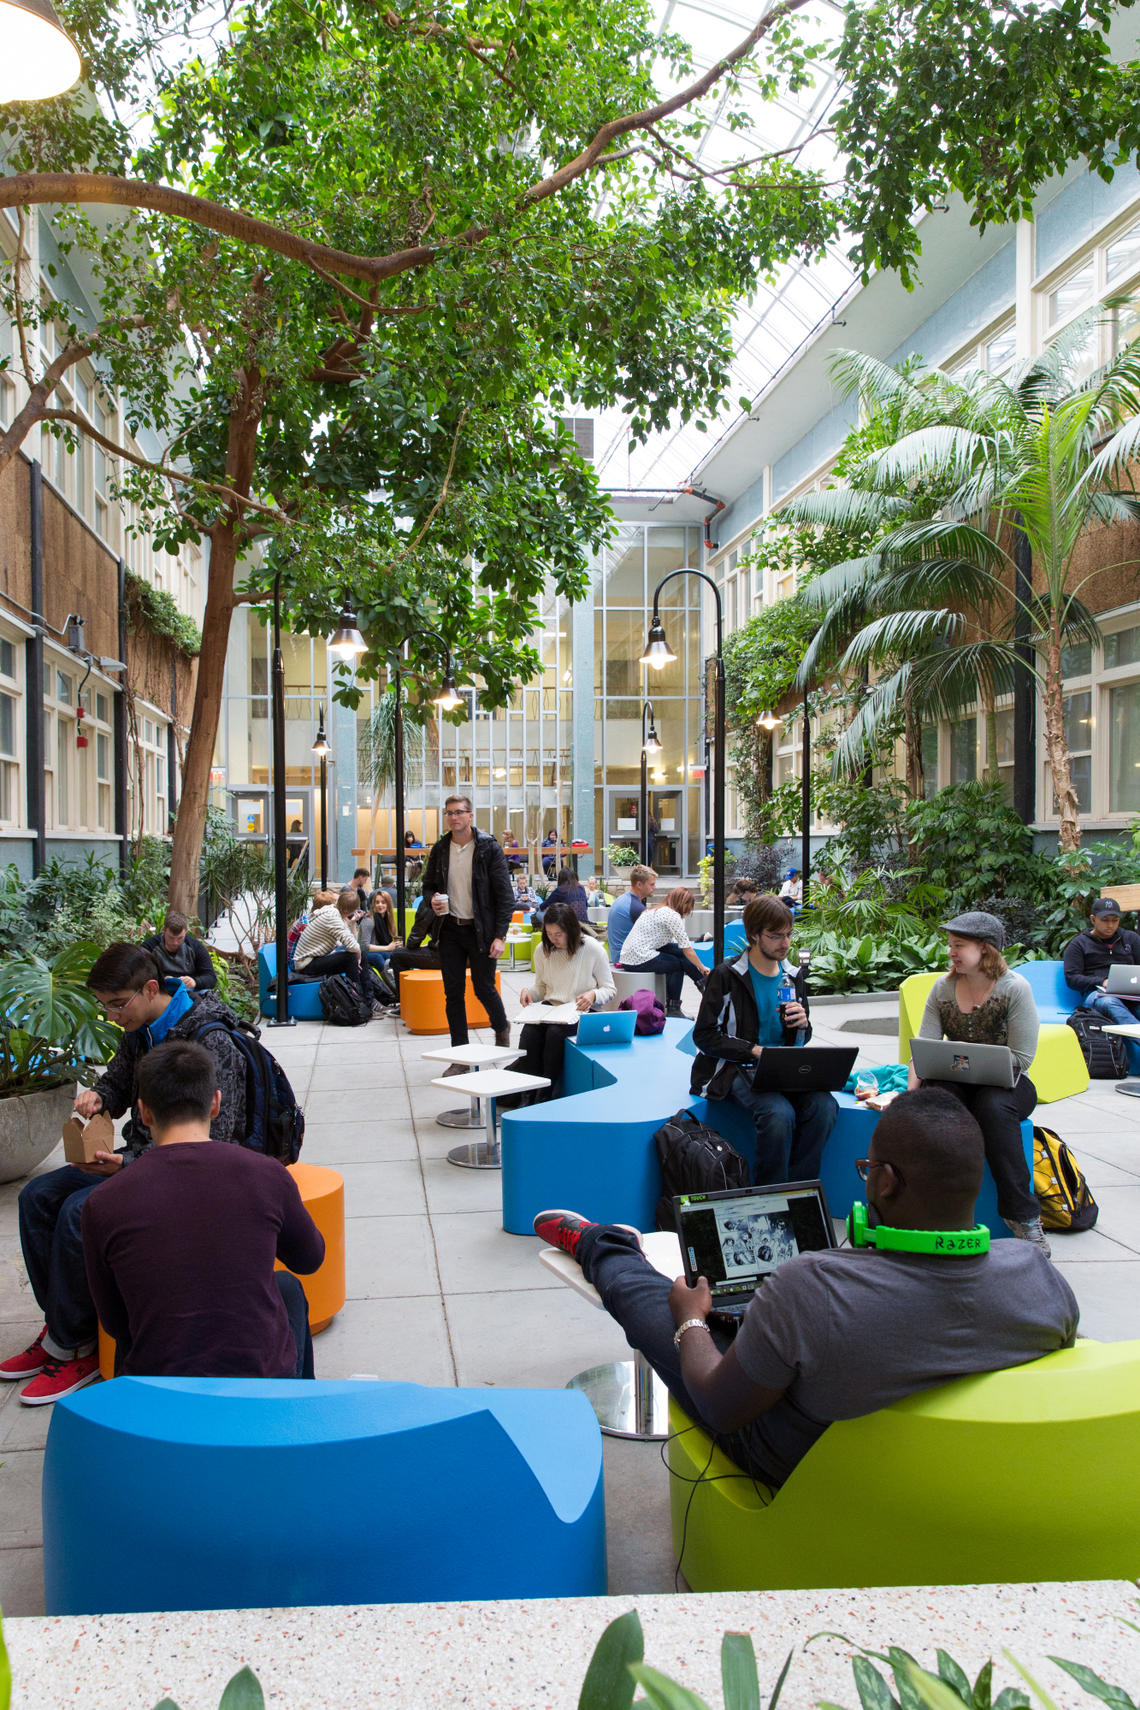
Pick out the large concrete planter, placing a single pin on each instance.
(30, 1127)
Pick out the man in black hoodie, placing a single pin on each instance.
(1088, 957)
(468, 885)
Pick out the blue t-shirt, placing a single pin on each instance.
(619, 924)
(764, 988)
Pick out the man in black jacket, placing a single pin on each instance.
(739, 1015)
(180, 956)
(1089, 956)
(468, 885)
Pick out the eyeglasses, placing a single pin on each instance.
(864, 1166)
(457, 813)
(118, 1006)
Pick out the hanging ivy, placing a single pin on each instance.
(157, 611)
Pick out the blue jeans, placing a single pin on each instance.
(671, 961)
(637, 1296)
(50, 1208)
(1115, 1009)
(791, 1131)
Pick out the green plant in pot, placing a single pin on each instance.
(52, 1032)
(621, 857)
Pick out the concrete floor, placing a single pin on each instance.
(439, 1294)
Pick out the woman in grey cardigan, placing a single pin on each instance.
(982, 1002)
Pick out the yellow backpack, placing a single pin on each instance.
(1067, 1206)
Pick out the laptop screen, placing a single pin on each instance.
(736, 1239)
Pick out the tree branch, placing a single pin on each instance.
(433, 513)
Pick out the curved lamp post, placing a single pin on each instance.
(658, 654)
(321, 750)
(650, 744)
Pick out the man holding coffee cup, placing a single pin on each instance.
(467, 884)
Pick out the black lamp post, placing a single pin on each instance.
(650, 744)
(280, 864)
(448, 699)
(321, 750)
(657, 654)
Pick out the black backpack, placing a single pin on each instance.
(1104, 1053)
(341, 1002)
(694, 1159)
(274, 1121)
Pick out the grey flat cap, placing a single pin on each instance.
(977, 924)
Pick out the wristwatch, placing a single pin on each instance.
(689, 1324)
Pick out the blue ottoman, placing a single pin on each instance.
(304, 999)
(231, 1493)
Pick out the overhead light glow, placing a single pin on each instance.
(39, 59)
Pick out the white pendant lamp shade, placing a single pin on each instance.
(37, 59)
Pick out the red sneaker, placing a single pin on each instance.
(28, 1364)
(59, 1378)
(565, 1229)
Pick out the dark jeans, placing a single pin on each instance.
(999, 1112)
(671, 961)
(50, 1207)
(459, 950)
(354, 968)
(401, 961)
(637, 1296)
(297, 1307)
(791, 1131)
(545, 1047)
(1115, 1009)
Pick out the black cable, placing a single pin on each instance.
(763, 1492)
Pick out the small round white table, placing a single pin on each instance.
(627, 1395)
(472, 1057)
(516, 936)
(490, 1084)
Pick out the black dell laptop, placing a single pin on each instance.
(804, 1068)
(737, 1237)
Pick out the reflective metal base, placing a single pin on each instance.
(476, 1155)
(1130, 1088)
(628, 1397)
(472, 1117)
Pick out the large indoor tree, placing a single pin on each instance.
(429, 233)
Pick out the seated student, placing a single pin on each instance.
(550, 841)
(792, 889)
(328, 946)
(658, 944)
(568, 968)
(982, 1002)
(361, 885)
(1089, 956)
(420, 951)
(738, 1017)
(628, 908)
(179, 1251)
(743, 891)
(837, 1334)
(181, 957)
(568, 890)
(126, 981)
(597, 893)
(378, 936)
(524, 897)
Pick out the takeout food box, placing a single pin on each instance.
(81, 1140)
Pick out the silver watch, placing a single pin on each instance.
(689, 1324)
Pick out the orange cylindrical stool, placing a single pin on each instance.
(422, 1007)
(322, 1194)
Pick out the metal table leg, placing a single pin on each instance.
(480, 1154)
(1130, 1088)
(472, 1117)
(628, 1397)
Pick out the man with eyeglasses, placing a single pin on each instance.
(129, 984)
(842, 1332)
(467, 885)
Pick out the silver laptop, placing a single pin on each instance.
(736, 1237)
(1123, 981)
(958, 1060)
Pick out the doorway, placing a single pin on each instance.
(666, 826)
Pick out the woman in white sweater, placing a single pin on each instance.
(328, 945)
(568, 968)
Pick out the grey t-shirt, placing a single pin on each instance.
(849, 1331)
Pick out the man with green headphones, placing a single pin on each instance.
(917, 1298)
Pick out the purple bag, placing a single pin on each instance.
(650, 1011)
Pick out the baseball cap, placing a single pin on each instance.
(1106, 905)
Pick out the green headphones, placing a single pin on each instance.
(944, 1243)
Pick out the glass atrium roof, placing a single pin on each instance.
(773, 324)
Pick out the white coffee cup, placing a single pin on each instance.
(442, 895)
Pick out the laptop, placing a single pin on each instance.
(804, 1068)
(737, 1237)
(610, 1027)
(958, 1060)
(1123, 981)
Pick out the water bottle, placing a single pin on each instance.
(785, 994)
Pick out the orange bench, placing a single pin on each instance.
(422, 1007)
(322, 1194)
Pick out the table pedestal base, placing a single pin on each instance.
(1130, 1088)
(477, 1155)
(472, 1117)
(628, 1397)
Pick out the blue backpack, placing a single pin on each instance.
(274, 1121)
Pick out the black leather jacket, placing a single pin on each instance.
(492, 895)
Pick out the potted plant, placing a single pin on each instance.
(52, 1032)
(622, 858)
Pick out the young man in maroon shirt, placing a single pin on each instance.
(179, 1249)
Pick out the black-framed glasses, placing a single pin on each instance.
(864, 1166)
(119, 1006)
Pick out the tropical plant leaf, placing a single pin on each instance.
(930, 1690)
(243, 1692)
(1095, 1686)
(780, 1679)
(662, 1693)
(874, 1693)
(740, 1682)
(956, 1677)
(1029, 1680)
(163, 1704)
(609, 1685)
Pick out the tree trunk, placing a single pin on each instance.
(1057, 748)
(912, 739)
(990, 770)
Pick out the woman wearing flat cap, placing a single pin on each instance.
(982, 1003)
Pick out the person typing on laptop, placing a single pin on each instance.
(834, 1334)
(1090, 958)
(741, 1013)
(981, 1002)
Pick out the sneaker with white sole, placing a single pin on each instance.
(565, 1229)
(29, 1364)
(59, 1378)
(1030, 1232)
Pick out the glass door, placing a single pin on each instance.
(667, 832)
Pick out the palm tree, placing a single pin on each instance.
(981, 462)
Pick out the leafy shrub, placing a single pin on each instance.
(762, 862)
(146, 882)
(968, 840)
(51, 1027)
(235, 986)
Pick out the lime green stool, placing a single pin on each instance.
(960, 1485)
(1057, 1071)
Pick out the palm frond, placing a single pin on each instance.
(894, 635)
(942, 454)
(951, 538)
(1113, 460)
(844, 507)
(854, 371)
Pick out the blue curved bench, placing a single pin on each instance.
(237, 1493)
(1055, 999)
(592, 1150)
(304, 1003)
